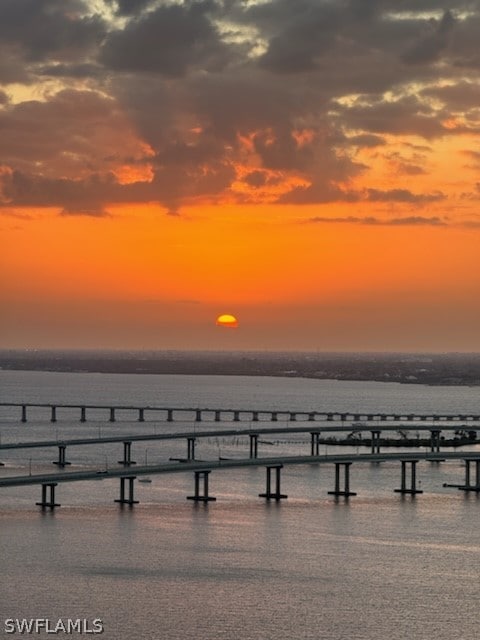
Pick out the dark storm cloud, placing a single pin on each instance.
(71, 134)
(169, 41)
(247, 101)
(460, 96)
(44, 28)
(279, 88)
(308, 35)
(30, 190)
(464, 50)
(304, 31)
(12, 68)
(91, 196)
(431, 45)
(407, 115)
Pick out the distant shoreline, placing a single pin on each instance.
(456, 369)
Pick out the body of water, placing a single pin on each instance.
(376, 566)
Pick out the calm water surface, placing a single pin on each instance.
(375, 567)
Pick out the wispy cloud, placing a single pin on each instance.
(408, 221)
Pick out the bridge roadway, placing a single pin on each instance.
(236, 414)
(203, 468)
(212, 433)
(211, 465)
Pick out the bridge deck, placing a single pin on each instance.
(212, 433)
(196, 465)
(312, 414)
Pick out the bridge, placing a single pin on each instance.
(253, 435)
(202, 469)
(169, 414)
(316, 423)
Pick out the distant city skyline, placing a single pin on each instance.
(311, 168)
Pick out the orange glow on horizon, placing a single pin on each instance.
(155, 276)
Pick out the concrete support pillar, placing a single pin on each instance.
(50, 501)
(127, 454)
(53, 416)
(61, 462)
(83, 414)
(329, 417)
(141, 415)
(346, 480)
(236, 416)
(169, 415)
(315, 443)
(112, 414)
(217, 416)
(468, 485)
(269, 494)
(24, 412)
(201, 497)
(274, 416)
(413, 482)
(198, 415)
(254, 416)
(435, 440)
(191, 448)
(254, 445)
(311, 416)
(293, 416)
(375, 441)
(130, 498)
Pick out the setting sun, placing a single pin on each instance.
(227, 320)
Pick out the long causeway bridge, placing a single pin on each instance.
(170, 414)
(273, 465)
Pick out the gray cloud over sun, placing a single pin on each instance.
(147, 100)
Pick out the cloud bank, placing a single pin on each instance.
(173, 102)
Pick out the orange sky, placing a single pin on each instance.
(143, 281)
(325, 215)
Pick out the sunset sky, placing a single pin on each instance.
(309, 166)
